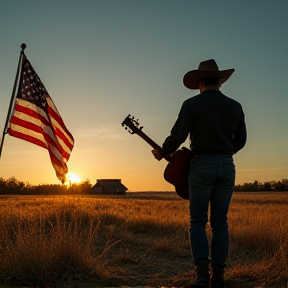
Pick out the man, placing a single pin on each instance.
(217, 130)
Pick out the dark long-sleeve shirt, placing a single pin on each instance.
(215, 123)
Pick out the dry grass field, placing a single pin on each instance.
(137, 240)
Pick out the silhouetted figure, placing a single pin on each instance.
(217, 130)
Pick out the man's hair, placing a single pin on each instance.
(211, 81)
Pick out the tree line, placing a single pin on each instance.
(15, 187)
(266, 186)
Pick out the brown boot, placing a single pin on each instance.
(218, 277)
(203, 277)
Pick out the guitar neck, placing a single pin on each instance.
(152, 143)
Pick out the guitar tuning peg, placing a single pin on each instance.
(125, 128)
(141, 128)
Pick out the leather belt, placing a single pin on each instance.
(217, 155)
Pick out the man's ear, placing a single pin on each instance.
(201, 86)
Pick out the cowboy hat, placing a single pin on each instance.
(206, 69)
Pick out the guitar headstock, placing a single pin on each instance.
(132, 125)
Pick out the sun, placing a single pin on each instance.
(73, 178)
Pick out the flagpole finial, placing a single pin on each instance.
(23, 46)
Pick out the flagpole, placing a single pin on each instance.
(23, 46)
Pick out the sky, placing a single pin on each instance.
(101, 60)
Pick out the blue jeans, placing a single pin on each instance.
(211, 180)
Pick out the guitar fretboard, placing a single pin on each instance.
(152, 143)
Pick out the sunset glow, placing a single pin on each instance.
(73, 178)
(99, 71)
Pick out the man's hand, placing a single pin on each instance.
(157, 154)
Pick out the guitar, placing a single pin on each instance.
(177, 170)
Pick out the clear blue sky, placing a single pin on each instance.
(101, 60)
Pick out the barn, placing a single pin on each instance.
(109, 187)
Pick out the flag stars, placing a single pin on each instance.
(32, 89)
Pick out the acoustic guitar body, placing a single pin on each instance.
(177, 172)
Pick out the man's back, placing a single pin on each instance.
(215, 123)
(215, 120)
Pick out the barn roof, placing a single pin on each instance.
(110, 185)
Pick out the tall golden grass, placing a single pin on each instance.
(132, 241)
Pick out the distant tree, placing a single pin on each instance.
(81, 188)
(267, 186)
(279, 186)
(2, 185)
(13, 186)
(49, 189)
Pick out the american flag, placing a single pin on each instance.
(36, 119)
